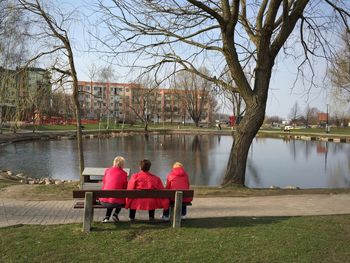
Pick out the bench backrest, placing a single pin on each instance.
(133, 193)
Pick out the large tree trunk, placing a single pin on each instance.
(243, 137)
(249, 126)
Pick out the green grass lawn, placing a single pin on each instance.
(240, 239)
(112, 126)
(334, 130)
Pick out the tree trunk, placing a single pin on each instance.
(0, 119)
(79, 143)
(243, 137)
(77, 112)
(146, 126)
(33, 118)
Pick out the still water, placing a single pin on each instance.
(306, 164)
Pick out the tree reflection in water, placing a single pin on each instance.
(277, 162)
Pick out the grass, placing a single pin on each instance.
(54, 192)
(243, 191)
(6, 183)
(333, 131)
(112, 126)
(338, 131)
(64, 191)
(231, 239)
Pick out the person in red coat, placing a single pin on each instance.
(177, 179)
(114, 178)
(145, 180)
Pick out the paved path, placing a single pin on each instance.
(13, 212)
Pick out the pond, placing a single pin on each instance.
(305, 164)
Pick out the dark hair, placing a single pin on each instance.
(145, 165)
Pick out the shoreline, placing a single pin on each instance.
(90, 134)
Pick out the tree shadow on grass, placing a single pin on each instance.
(205, 223)
(124, 225)
(225, 222)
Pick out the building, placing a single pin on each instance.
(100, 100)
(130, 101)
(27, 90)
(8, 87)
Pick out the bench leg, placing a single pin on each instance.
(88, 212)
(177, 210)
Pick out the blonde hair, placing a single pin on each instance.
(119, 161)
(177, 165)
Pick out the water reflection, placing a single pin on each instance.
(306, 164)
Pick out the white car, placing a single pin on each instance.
(287, 128)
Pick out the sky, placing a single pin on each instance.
(284, 92)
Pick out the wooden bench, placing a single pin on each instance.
(92, 195)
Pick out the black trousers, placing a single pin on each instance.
(110, 208)
(132, 214)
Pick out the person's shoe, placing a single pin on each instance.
(183, 217)
(131, 219)
(115, 218)
(105, 220)
(165, 218)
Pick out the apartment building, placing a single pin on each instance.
(26, 89)
(130, 102)
(100, 100)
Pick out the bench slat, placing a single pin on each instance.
(80, 205)
(132, 193)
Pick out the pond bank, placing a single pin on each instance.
(89, 134)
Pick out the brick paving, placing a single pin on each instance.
(14, 212)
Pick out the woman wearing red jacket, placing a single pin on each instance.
(114, 178)
(177, 179)
(145, 180)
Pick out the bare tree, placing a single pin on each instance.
(295, 113)
(235, 99)
(13, 50)
(52, 26)
(196, 93)
(105, 75)
(273, 119)
(62, 105)
(144, 100)
(311, 116)
(233, 34)
(340, 71)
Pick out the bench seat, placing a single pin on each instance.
(91, 196)
(80, 205)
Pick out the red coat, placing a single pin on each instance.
(177, 179)
(145, 180)
(115, 178)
